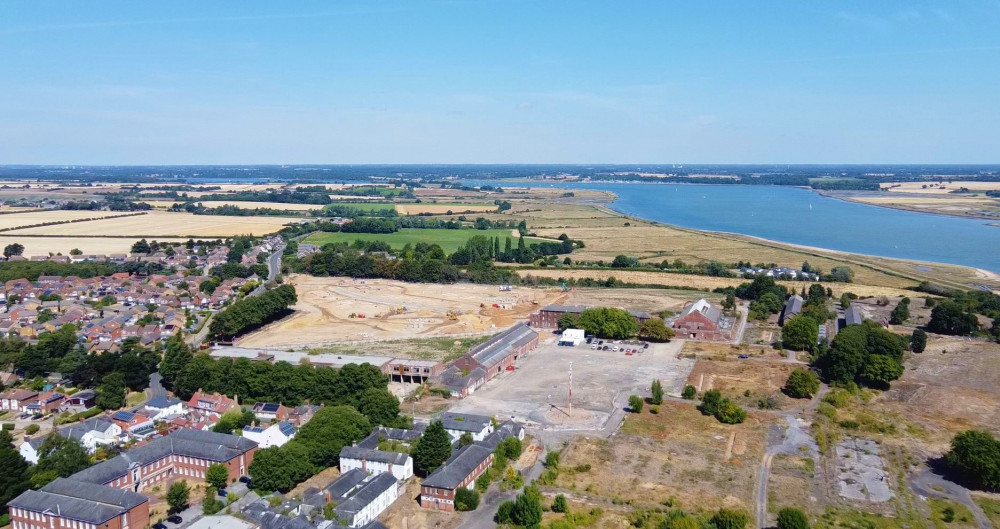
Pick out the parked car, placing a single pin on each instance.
(744, 357)
(615, 348)
(593, 346)
(159, 525)
(222, 492)
(36, 416)
(245, 479)
(175, 518)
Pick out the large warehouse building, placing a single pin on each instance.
(488, 359)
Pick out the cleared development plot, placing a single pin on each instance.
(14, 220)
(394, 310)
(443, 209)
(861, 472)
(162, 224)
(87, 245)
(449, 240)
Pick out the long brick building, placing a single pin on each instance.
(106, 495)
(488, 359)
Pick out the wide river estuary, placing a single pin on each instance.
(800, 216)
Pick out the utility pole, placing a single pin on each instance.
(571, 389)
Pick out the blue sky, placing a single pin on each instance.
(499, 82)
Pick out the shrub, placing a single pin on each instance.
(466, 499)
(975, 456)
(689, 392)
(918, 341)
(8, 426)
(792, 518)
(559, 504)
(657, 392)
(552, 459)
(801, 384)
(582, 467)
(730, 413)
(654, 410)
(730, 519)
(635, 403)
(32, 429)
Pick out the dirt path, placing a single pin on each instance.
(794, 438)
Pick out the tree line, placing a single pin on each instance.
(251, 313)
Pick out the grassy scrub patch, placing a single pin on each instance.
(367, 207)
(991, 507)
(449, 240)
(948, 513)
(445, 349)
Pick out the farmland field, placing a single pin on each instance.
(449, 240)
(442, 209)
(62, 245)
(154, 224)
(38, 217)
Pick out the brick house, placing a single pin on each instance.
(699, 321)
(67, 503)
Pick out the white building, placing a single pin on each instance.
(374, 462)
(274, 435)
(91, 433)
(573, 337)
(457, 424)
(373, 496)
(160, 407)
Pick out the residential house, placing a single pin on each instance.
(133, 423)
(160, 407)
(276, 434)
(90, 434)
(269, 411)
(374, 461)
(213, 403)
(792, 308)
(17, 399)
(460, 470)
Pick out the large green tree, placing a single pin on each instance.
(59, 457)
(609, 323)
(379, 405)
(330, 430)
(655, 330)
(866, 354)
(111, 392)
(281, 468)
(217, 476)
(792, 518)
(433, 449)
(800, 333)
(176, 356)
(15, 477)
(949, 317)
(178, 496)
(801, 384)
(975, 457)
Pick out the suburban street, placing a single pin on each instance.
(273, 269)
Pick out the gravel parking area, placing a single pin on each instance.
(537, 392)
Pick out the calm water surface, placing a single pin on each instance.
(800, 216)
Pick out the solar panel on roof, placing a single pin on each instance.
(123, 416)
(286, 428)
(270, 407)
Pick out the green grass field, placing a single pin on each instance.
(450, 240)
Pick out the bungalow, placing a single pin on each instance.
(78, 402)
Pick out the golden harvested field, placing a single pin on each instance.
(695, 281)
(933, 188)
(163, 224)
(88, 245)
(441, 209)
(37, 217)
(255, 205)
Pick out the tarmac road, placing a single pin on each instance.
(928, 484)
